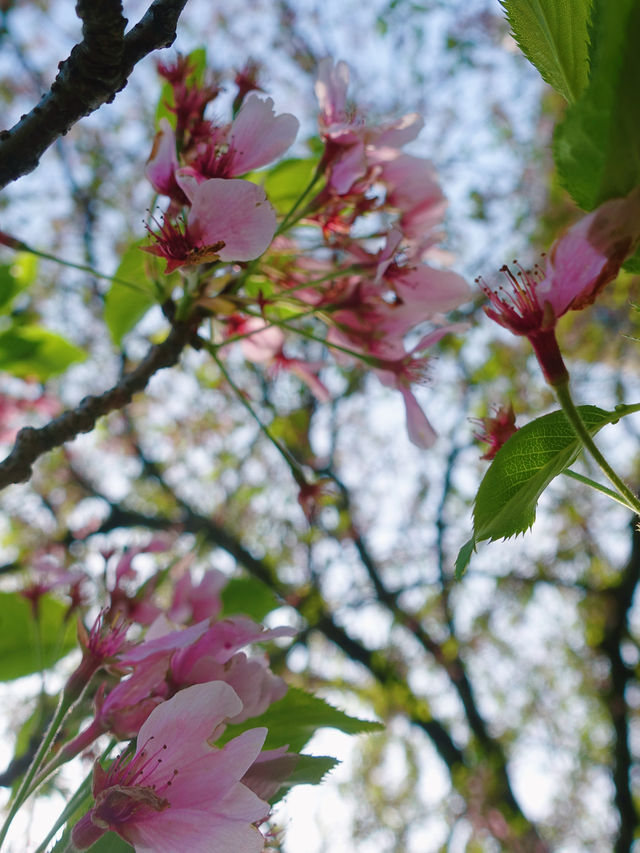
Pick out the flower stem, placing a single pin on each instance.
(83, 793)
(25, 247)
(23, 791)
(597, 486)
(573, 416)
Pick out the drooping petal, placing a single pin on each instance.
(258, 136)
(233, 212)
(420, 431)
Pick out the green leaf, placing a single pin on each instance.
(309, 770)
(524, 466)
(552, 34)
(295, 718)
(26, 647)
(33, 351)
(124, 306)
(249, 596)
(597, 146)
(15, 277)
(285, 183)
(464, 557)
(9, 287)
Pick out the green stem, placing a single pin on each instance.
(24, 247)
(597, 486)
(286, 222)
(573, 416)
(24, 789)
(296, 470)
(83, 793)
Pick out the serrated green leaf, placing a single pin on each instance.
(464, 557)
(309, 770)
(29, 350)
(552, 34)
(285, 183)
(25, 647)
(525, 465)
(125, 306)
(295, 718)
(248, 596)
(597, 146)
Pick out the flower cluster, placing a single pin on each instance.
(197, 164)
(351, 251)
(176, 785)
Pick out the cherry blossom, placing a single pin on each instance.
(178, 792)
(581, 262)
(229, 220)
(255, 138)
(496, 429)
(351, 144)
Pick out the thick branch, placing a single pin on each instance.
(31, 443)
(97, 68)
(620, 598)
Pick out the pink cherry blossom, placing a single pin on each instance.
(496, 429)
(196, 602)
(229, 220)
(178, 792)
(351, 144)
(581, 262)
(255, 138)
(413, 190)
(263, 344)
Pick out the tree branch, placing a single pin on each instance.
(96, 69)
(31, 442)
(618, 600)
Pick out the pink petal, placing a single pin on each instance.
(305, 372)
(401, 131)
(258, 136)
(165, 643)
(194, 831)
(331, 90)
(589, 255)
(270, 769)
(207, 781)
(348, 168)
(420, 431)
(429, 291)
(205, 706)
(163, 162)
(233, 212)
(263, 342)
